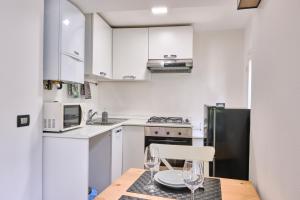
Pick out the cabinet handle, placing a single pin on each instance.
(131, 77)
(102, 73)
(172, 56)
(73, 57)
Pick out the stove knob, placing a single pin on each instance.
(179, 133)
(168, 133)
(156, 132)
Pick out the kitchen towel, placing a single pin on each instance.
(73, 90)
(87, 90)
(82, 90)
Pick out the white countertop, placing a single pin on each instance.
(93, 130)
(143, 122)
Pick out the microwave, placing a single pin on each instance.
(60, 117)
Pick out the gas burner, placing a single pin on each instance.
(177, 120)
(156, 119)
(163, 120)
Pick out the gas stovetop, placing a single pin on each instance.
(166, 120)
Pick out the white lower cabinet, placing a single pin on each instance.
(116, 153)
(133, 147)
(71, 165)
(65, 168)
(100, 161)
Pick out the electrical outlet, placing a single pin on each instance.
(23, 120)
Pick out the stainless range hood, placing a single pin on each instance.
(170, 65)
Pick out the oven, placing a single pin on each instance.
(169, 135)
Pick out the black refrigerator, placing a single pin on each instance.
(228, 130)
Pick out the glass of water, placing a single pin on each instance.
(193, 175)
(151, 162)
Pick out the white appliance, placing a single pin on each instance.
(59, 117)
(64, 41)
(116, 152)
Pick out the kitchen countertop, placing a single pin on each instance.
(90, 131)
(143, 122)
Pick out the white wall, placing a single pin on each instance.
(21, 52)
(219, 75)
(275, 133)
(62, 96)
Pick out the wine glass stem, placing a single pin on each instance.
(192, 195)
(151, 170)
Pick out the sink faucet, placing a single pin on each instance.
(91, 114)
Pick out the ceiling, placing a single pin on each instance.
(205, 14)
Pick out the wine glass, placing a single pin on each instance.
(193, 175)
(151, 161)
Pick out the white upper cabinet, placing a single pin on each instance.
(73, 28)
(64, 35)
(130, 54)
(171, 42)
(98, 47)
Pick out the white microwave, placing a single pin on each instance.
(60, 117)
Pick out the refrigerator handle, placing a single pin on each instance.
(214, 138)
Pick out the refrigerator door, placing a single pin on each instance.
(228, 131)
(232, 143)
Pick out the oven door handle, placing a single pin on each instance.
(169, 141)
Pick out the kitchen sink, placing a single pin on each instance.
(109, 122)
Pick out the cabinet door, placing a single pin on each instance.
(100, 161)
(171, 42)
(65, 168)
(116, 153)
(102, 47)
(130, 53)
(133, 147)
(72, 30)
(72, 69)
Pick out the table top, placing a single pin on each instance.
(230, 189)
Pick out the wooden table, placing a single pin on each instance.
(231, 189)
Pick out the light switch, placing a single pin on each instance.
(23, 120)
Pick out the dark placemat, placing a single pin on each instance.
(211, 191)
(124, 197)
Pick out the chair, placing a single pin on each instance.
(181, 152)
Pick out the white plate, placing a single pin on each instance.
(168, 185)
(170, 177)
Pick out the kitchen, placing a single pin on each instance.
(103, 61)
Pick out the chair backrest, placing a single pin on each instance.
(182, 152)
